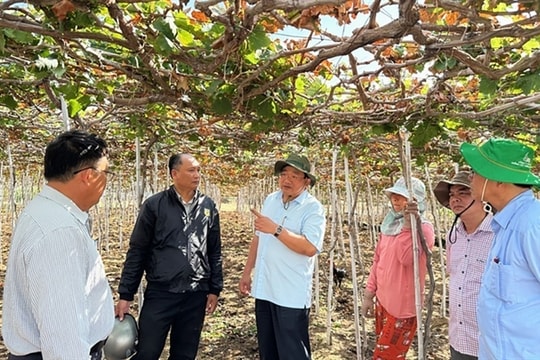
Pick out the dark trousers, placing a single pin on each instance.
(282, 333)
(456, 355)
(182, 314)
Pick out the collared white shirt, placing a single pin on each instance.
(57, 299)
(466, 260)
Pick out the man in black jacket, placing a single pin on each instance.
(177, 242)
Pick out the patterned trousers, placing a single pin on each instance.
(394, 336)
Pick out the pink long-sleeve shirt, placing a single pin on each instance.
(391, 277)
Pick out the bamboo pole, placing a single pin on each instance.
(352, 240)
(405, 153)
(439, 232)
(140, 194)
(1, 211)
(121, 214)
(317, 284)
(429, 302)
(155, 173)
(11, 186)
(64, 111)
(339, 219)
(333, 209)
(371, 216)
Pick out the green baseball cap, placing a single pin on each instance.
(502, 160)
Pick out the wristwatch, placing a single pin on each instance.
(278, 231)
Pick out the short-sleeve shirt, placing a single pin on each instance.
(283, 276)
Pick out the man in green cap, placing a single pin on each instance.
(289, 233)
(509, 299)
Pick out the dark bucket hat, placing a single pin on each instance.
(502, 160)
(298, 162)
(442, 190)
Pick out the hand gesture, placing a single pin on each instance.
(263, 223)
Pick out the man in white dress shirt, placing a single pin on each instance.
(57, 301)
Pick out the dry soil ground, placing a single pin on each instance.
(230, 332)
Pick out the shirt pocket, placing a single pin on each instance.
(502, 284)
(475, 271)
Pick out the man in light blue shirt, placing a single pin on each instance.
(289, 234)
(509, 300)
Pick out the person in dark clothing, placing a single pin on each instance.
(176, 241)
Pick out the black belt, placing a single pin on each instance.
(37, 355)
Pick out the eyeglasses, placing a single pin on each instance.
(107, 172)
(294, 177)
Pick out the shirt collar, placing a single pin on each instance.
(299, 199)
(61, 199)
(503, 217)
(485, 225)
(190, 202)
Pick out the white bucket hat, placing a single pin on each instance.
(400, 188)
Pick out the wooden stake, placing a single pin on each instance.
(405, 155)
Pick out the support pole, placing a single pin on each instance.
(405, 152)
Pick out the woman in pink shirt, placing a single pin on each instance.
(390, 292)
